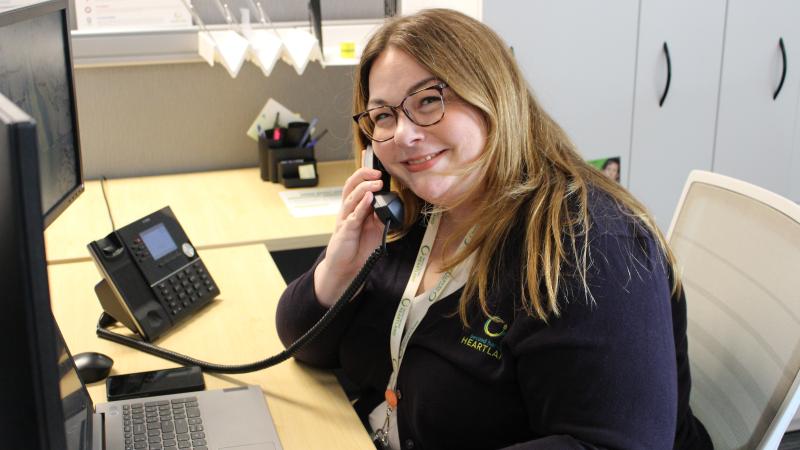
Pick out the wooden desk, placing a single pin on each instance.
(308, 406)
(83, 221)
(216, 209)
(230, 207)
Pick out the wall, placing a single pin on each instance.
(156, 119)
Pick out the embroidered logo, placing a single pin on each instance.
(493, 329)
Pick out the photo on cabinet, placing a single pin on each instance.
(610, 166)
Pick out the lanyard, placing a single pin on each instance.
(412, 309)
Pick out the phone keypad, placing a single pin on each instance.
(187, 288)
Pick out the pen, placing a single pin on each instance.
(277, 116)
(307, 134)
(317, 138)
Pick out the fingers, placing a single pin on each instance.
(362, 210)
(352, 226)
(361, 182)
(360, 175)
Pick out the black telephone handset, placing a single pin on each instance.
(387, 204)
(152, 275)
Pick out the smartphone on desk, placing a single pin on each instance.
(155, 382)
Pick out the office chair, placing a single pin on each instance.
(738, 251)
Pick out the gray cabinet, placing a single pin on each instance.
(600, 69)
(755, 131)
(680, 41)
(579, 57)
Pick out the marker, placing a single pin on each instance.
(317, 138)
(307, 134)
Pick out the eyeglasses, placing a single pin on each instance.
(424, 107)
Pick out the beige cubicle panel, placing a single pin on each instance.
(309, 408)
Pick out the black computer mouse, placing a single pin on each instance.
(92, 366)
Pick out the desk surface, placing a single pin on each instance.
(83, 221)
(308, 406)
(220, 208)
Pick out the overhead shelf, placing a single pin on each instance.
(179, 45)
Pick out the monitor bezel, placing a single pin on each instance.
(38, 384)
(30, 12)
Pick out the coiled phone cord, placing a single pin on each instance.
(309, 336)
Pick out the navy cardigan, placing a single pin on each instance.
(610, 372)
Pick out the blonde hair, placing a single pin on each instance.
(529, 165)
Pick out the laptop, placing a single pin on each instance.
(221, 419)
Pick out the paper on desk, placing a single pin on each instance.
(266, 118)
(312, 202)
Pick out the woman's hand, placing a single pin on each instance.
(358, 232)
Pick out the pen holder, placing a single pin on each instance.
(270, 158)
(298, 172)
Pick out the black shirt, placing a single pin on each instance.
(610, 372)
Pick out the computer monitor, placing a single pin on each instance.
(30, 400)
(36, 74)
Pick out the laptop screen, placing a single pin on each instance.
(75, 400)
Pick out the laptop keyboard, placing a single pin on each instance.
(164, 425)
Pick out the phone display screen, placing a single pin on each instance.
(158, 241)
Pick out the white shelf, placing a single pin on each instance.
(179, 45)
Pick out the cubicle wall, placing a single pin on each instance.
(171, 118)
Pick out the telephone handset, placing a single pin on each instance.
(387, 204)
(152, 275)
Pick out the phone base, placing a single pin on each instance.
(112, 306)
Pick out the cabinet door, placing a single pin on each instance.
(674, 137)
(754, 131)
(579, 58)
(795, 167)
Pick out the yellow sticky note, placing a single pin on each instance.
(306, 172)
(347, 50)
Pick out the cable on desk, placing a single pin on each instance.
(296, 346)
(103, 182)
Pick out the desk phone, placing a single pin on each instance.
(152, 275)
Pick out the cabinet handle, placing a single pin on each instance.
(669, 76)
(783, 75)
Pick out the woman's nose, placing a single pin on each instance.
(407, 132)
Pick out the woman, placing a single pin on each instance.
(611, 168)
(527, 301)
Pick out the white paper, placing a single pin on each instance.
(306, 172)
(266, 118)
(301, 47)
(265, 49)
(206, 47)
(103, 14)
(312, 202)
(231, 50)
(226, 47)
